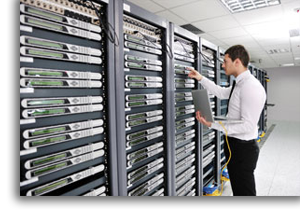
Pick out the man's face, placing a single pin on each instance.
(228, 65)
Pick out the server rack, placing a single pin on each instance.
(210, 140)
(186, 133)
(222, 105)
(65, 89)
(143, 106)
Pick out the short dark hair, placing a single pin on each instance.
(239, 51)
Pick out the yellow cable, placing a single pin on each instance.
(216, 193)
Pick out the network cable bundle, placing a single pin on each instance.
(63, 98)
(144, 109)
(185, 47)
(209, 143)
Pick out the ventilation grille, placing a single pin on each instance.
(192, 29)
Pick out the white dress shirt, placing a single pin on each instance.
(246, 104)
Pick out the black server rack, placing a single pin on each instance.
(222, 104)
(142, 101)
(67, 143)
(185, 128)
(210, 140)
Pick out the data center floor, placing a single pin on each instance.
(278, 171)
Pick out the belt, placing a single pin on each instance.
(241, 141)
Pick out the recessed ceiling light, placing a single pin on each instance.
(297, 58)
(235, 6)
(287, 64)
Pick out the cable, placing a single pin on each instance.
(222, 182)
(169, 52)
(106, 26)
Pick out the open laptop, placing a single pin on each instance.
(202, 104)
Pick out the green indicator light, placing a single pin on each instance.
(46, 83)
(48, 131)
(48, 54)
(48, 112)
(135, 97)
(44, 24)
(136, 103)
(48, 169)
(48, 141)
(136, 84)
(44, 73)
(135, 65)
(179, 71)
(50, 187)
(132, 117)
(135, 123)
(44, 43)
(136, 78)
(135, 135)
(44, 14)
(48, 159)
(133, 58)
(46, 102)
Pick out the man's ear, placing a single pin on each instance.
(237, 62)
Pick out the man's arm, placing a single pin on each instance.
(220, 92)
(252, 102)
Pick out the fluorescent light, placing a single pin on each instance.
(297, 58)
(243, 5)
(287, 64)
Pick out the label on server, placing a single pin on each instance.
(59, 83)
(63, 164)
(143, 85)
(45, 131)
(142, 66)
(65, 181)
(48, 112)
(46, 102)
(97, 192)
(58, 18)
(53, 73)
(138, 40)
(143, 121)
(143, 115)
(40, 23)
(58, 55)
(45, 141)
(143, 139)
(139, 97)
(144, 133)
(49, 159)
(137, 59)
(142, 48)
(54, 45)
(142, 78)
(144, 103)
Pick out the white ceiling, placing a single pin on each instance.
(258, 30)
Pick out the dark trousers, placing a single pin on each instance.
(244, 156)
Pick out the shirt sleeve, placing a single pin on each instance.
(220, 92)
(252, 103)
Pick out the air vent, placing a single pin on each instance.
(278, 51)
(295, 32)
(192, 29)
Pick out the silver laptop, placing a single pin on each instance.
(202, 104)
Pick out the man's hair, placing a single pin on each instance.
(239, 51)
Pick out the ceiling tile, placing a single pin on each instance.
(200, 10)
(207, 37)
(228, 33)
(171, 3)
(171, 17)
(148, 5)
(259, 15)
(217, 24)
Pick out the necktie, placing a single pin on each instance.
(233, 85)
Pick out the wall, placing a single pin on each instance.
(284, 92)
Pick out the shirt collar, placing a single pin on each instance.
(243, 75)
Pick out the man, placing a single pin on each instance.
(246, 101)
